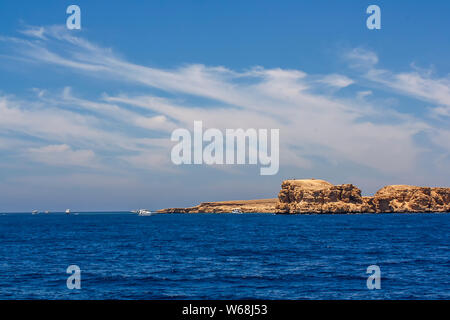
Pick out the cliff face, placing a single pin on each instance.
(319, 196)
(247, 206)
(401, 198)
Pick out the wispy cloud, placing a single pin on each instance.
(416, 83)
(337, 80)
(133, 128)
(63, 155)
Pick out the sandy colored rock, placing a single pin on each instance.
(319, 196)
(403, 198)
(245, 206)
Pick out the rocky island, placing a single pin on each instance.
(309, 196)
(246, 206)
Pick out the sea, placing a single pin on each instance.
(224, 256)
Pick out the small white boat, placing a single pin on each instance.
(46, 212)
(145, 212)
(34, 212)
(68, 211)
(237, 210)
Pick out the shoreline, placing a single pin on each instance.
(245, 206)
(314, 196)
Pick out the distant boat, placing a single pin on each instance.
(46, 212)
(34, 212)
(145, 212)
(238, 211)
(68, 211)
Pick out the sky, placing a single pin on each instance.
(86, 115)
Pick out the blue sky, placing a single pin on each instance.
(86, 116)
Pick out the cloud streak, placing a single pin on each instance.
(119, 130)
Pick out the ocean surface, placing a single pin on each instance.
(224, 256)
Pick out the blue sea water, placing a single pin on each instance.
(224, 256)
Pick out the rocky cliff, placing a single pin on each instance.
(319, 196)
(401, 198)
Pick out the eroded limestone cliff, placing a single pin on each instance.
(319, 196)
(401, 198)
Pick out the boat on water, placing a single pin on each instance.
(46, 212)
(237, 210)
(68, 211)
(34, 212)
(145, 212)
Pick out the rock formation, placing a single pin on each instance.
(319, 196)
(401, 198)
(247, 206)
